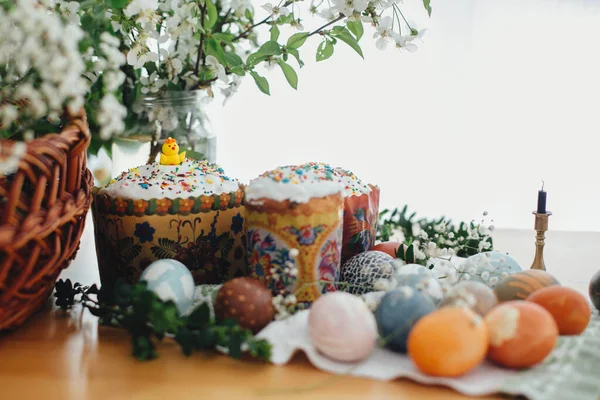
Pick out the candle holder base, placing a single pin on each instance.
(541, 226)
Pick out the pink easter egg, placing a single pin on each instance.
(342, 327)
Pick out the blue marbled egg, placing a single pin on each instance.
(171, 280)
(397, 313)
(423, 281)
(489, 268)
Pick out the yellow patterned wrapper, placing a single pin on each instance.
(206, 233)
(313, 228)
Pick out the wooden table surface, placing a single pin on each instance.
(61, 356)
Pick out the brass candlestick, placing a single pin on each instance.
(541, 226)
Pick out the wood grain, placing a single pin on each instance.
(61, 356)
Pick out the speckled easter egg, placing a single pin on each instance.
(489, 268)
(170, 280)
(425, 282)
(247, 301)
(522, 334)
(520, 285)
(397, 313)
(448, 342)
(474, 295)
(569, 308)
(362, 271)
(342, 327)
(594, 290)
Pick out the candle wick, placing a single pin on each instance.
(543, 183)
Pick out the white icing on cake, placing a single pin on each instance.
(154, 181)
(300, 183)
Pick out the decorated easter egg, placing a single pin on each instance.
(520, 285)
(489, 268)
(595, 290)
(398, 312)
(474, 295)
(170, 280)
(410, 269)
(424, 282)
(361, 272)
(569, 308)
(247, 301)
(522, 334)
(342, 327)
(448, 342)
(389, 248)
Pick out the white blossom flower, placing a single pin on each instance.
(152, 84)
(493, 281)
(216, 69)
(403, 43)
(472, 270)
(276, 11)
(69, 9)
(297, 25)
(485, 275)
(350, 7)
(100, 165)
(466, 277)
(9, 159)
(110, 117)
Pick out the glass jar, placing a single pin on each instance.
(180, 115)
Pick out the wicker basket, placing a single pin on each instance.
(43, 208)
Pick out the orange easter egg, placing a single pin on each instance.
(569, 308)
(448, 342)
(389, 247)
(521, 333)
(520, 285)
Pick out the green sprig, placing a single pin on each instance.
(146, 317)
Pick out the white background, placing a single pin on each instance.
(501, 95)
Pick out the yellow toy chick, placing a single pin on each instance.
(170, 153)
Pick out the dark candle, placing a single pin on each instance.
(541, 208)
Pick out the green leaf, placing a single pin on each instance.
(325, 50)
(356, 27)
(224, 37)
(270, 48)
(297, 40)
(186, 340)
(143, 348)
(427, 5)
(296, 54)
(235, 344)
(261, 82)
(290, 74)
(199, 317)
(238, 70)
(345, 36)
(214, 49)
(274, 32)
(248, 15)
(233, 59)
(211, 15)
(118, 4)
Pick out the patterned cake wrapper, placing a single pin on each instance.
(313, 228)
(360, 223)
(206, 233)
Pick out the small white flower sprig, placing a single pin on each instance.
(47, 69)
(179, 45)
(425, 239)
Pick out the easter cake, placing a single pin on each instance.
(178, 209)
(294, 217)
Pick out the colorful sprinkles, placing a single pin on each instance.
(316, 171)
(192, 178)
